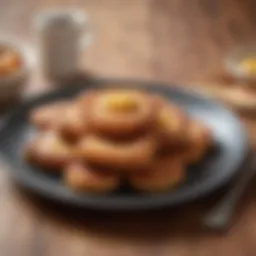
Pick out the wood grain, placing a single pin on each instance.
(179, 40)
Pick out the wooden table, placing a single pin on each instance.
(167, 40)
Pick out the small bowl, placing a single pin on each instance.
(234, 63)
(11, 85)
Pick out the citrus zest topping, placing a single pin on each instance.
(121, 102)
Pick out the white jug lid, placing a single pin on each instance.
(60, 16)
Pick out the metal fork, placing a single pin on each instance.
(219, 217)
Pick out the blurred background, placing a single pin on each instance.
(170, 40)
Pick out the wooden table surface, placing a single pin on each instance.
(167, 40)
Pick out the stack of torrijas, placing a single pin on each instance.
(106, 138)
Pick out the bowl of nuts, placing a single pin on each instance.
(15, 64)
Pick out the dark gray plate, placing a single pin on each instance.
(219, 166)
